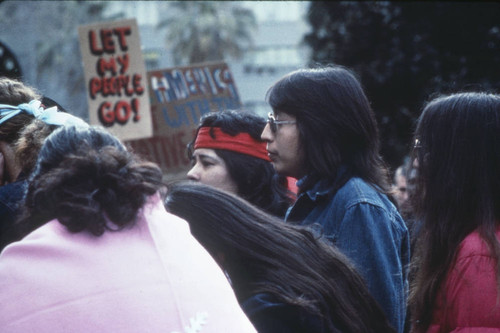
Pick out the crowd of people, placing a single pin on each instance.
(294, 224)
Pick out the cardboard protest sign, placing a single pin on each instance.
(179, 97)
(115, 77)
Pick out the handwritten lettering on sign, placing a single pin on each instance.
(115, 76)
(179, 97)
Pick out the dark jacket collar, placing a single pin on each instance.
(325, 187)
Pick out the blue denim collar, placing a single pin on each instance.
(323, 187)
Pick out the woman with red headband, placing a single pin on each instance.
(227, 153)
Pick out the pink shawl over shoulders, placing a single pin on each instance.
(152, 277)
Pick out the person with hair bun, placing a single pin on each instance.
(101, 254)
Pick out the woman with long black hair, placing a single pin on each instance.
(457, 203)
(286, 277)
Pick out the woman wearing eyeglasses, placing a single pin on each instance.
(323, 132)
(227, 153)
(457, 201)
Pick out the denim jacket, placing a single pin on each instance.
(367, 228)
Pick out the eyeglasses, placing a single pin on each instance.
(273, 123)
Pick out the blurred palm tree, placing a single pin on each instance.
(201, 31)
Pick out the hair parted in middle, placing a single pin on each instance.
(262, 254)
(335, 121)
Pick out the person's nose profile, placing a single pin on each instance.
(266, 134)
(192, 174)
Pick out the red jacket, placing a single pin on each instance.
(468, 303)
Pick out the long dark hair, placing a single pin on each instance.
(256, 179)
(81, 176)
(335, 121)
(457, 188)
(262, 254)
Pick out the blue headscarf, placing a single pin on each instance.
(49, 116)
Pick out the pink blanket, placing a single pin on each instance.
(153, 277)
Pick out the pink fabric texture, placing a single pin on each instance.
(469, 301)
(152, 277)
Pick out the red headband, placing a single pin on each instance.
(240, 143)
